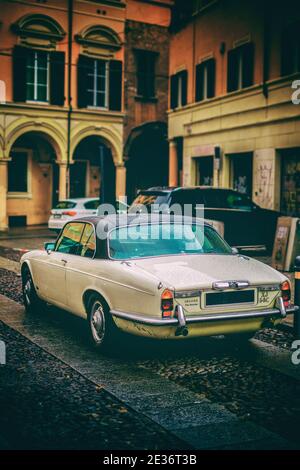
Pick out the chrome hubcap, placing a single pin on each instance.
(27, 291)
(98, 322)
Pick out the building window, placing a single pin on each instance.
(17, 173)
(97, 84)
(240, 67)
(145, 61)
(37, 76)
(179, 89)
(205, 80)
(290, 50)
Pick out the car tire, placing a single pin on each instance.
(32, 303)
(102, 330)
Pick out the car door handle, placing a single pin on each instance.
(64, 261)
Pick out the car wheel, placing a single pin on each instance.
(101, 327)
(32, 302)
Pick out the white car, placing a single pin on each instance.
(70, 209)
(78, 207)
(155, 278)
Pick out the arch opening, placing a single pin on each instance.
(147, 158)
(92, 173)
(33, 179)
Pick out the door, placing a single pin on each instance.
(78, 171)
(205, 171)
(53, 273)
(242, 170)
(290, 182)
(80, 270)
(50, 277)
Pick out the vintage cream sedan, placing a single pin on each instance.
(160, 277)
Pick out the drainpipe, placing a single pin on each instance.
(70, 39)
(265, 48)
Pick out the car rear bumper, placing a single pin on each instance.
(182, 320)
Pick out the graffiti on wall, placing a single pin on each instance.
(264, 183)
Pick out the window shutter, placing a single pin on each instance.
(115, 85)
(83, 65)
(20, 55)
(232, 70)
(248, 64)
(199, 82)
(174, 91)
(184, 76)
(211, 78)
(57, 78)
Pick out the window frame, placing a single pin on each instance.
(35, 83)
(147, 57)
(238, 54)
(23, 194)
(205, 75)
(95, 91)
(73, 254)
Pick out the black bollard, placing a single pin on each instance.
(297, 298)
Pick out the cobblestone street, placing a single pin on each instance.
(202, 394)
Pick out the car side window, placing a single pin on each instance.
(239, 201)
(70, 239)
(92, 204)
(88, 242)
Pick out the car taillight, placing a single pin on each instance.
(285, 292)
(167, 303)
(71, 213)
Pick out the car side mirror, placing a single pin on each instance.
(234, 250)
(49, 246)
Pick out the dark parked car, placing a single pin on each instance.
(246, 225)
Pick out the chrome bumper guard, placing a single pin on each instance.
(181, 320)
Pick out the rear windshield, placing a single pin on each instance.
(147, 199)
(164, 240)
(65, 205)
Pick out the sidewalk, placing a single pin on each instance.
(32, 231)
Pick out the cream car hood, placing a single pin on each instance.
(194, 271)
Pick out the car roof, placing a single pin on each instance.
(121, 220)
(80, 199)
(169, 189)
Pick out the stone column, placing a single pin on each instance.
(62, 188)
(173, 163)
(3, 195)
(120, 181)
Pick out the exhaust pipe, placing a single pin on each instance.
(182, 329)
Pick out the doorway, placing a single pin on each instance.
(290, 182)
(205, 171)
(242, 172)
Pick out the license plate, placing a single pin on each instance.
(57, 216)
(228, 298)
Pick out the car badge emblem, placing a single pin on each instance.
(220, 285)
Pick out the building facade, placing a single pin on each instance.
(64, 118)
(147, 40)
(232, 121)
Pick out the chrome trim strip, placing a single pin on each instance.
(202, 318)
